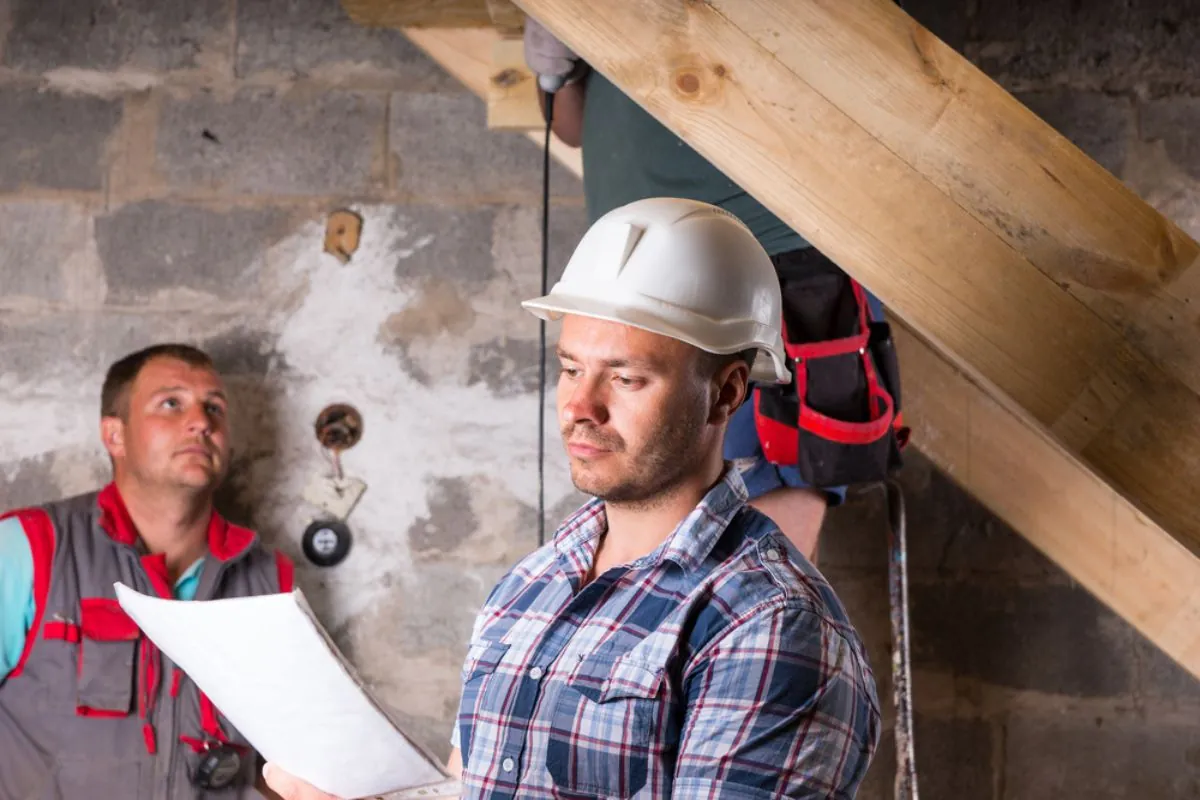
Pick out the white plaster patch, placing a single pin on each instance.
(73, 80)
(413, 434)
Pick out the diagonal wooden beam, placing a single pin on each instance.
(912, 202)
(1001, 455)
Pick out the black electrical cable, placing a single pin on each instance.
(542, 325)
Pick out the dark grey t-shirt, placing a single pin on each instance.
(628, 155)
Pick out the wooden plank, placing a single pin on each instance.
(465, 54)
(420, 13)
(939, 262)
(1003, 457)
(502, 15)
(1076, 222)
(512, 99)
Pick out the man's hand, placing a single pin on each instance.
(289, 787)
(547, 55)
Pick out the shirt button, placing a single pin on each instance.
(536, 673)
(507, 765)
(772, 554)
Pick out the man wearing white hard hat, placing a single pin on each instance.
(669, 641)
(799, 446)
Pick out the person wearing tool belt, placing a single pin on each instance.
(89, 708)
(628, 155)
(669, 641)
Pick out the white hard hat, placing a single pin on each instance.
(680, 268)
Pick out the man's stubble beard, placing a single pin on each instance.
(670, 456)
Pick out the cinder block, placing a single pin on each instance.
(36, 240)
(447, 243)
(153, 246)
(54, 141)
(950, 534)
(1161, 678)
(442, 147)
(27, 483)
(244, 351)
(318, 36)
(267, 142)
(1052, 757)
(954, 761)
(1112, 45)
(1176, 122)
(518, 243)
(436, 607)
(1054, 639)
(1101, 125)
(78, 346)
(105, 34)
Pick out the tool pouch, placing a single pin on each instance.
(839, 420)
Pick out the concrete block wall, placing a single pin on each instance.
(166, 169)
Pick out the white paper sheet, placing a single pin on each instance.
(273, 671)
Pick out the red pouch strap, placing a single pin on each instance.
(834, 347)
(854, 432)
(39, 530)
(813, 421)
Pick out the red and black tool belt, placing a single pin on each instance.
(839, 420)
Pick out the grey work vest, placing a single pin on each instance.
(95, 710)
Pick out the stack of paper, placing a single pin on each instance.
(273, 671)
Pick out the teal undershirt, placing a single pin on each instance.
(17, 607)
(628, 155)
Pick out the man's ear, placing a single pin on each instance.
(731, 386)
(112, 433)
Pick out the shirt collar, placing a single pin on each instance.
(192, 573)
(225, 540)
(688, 545)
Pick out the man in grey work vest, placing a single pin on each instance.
(89, 708)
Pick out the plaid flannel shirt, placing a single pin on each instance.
(720, 665)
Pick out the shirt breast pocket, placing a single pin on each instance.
(483, 658)
(606, 727)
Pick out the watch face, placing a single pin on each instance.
(325, 541)
(218, 768)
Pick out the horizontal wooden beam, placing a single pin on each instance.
(1013, 465)
(465, 54)
(500, 14)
